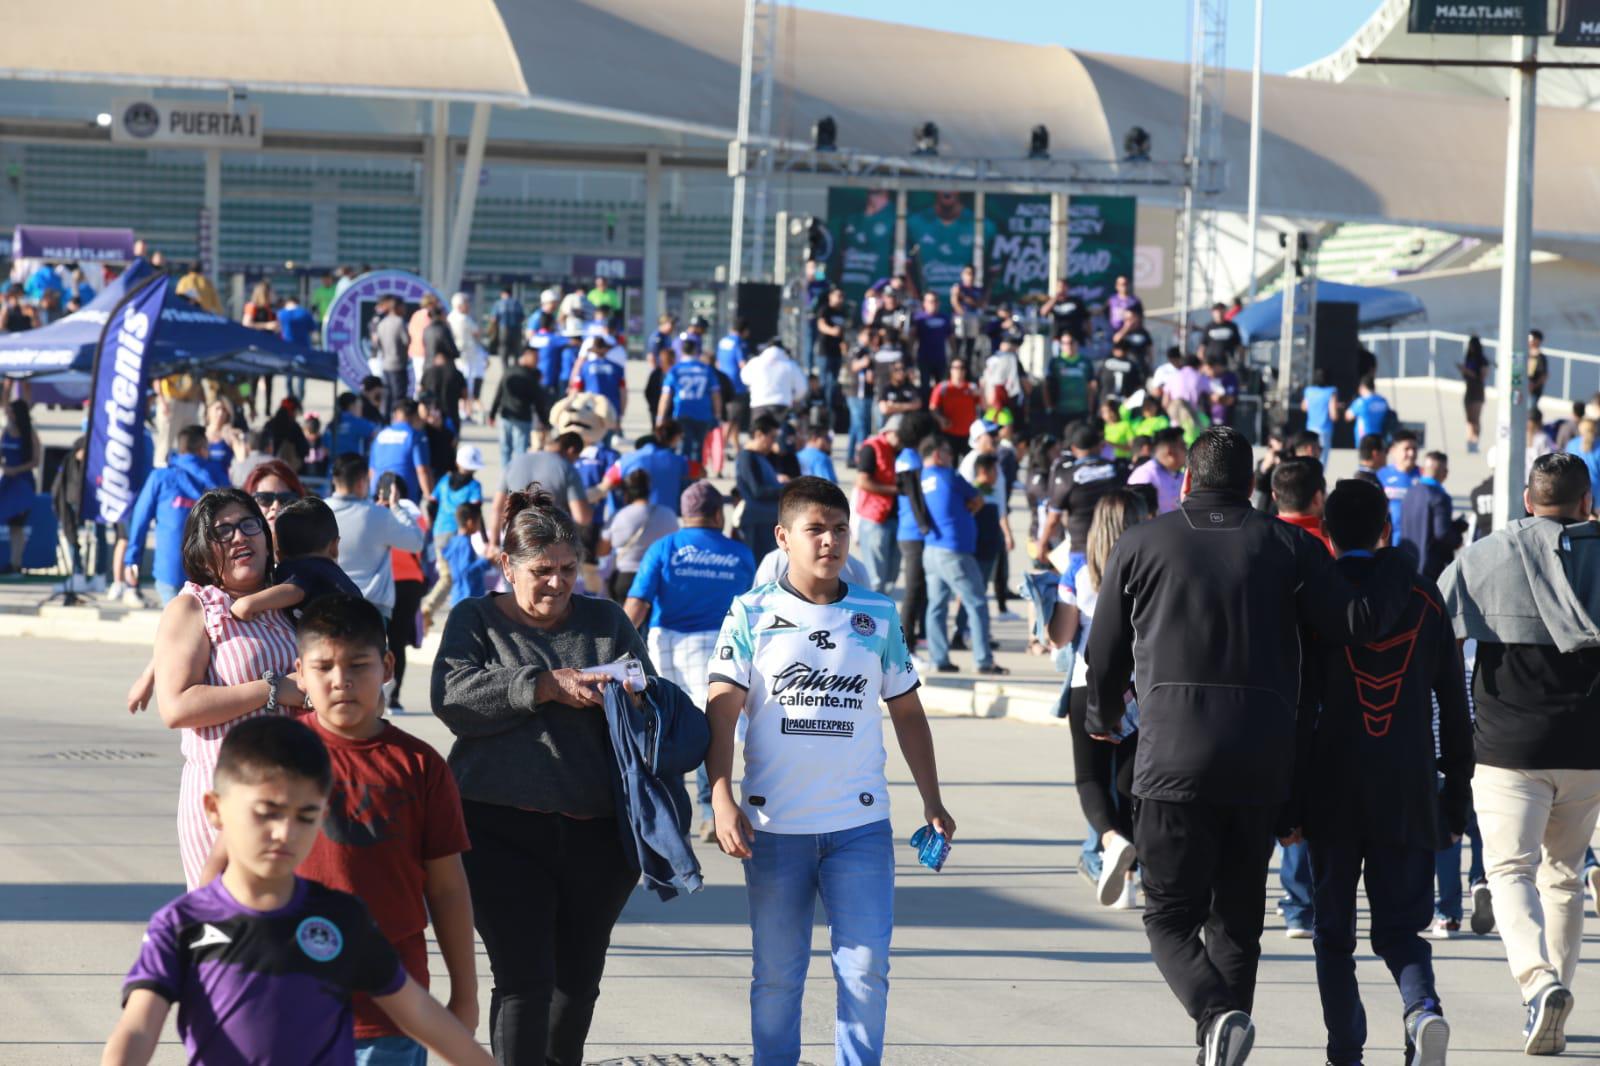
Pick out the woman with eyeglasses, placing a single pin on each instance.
(274, 486)
(213, 671)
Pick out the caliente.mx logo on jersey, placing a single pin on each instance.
(802, 685)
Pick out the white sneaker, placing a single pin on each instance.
(114, 593)
(1444, 928)
(1591, 877)
(131, 598)
(1129, 900)
(1116, 859)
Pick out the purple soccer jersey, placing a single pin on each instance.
(265, 986)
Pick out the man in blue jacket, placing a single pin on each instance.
(1427, 530)
(169, 494)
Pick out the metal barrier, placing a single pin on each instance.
(1437, 353)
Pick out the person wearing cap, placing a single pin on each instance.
(685, 587)
(544, 319)
(874, 505)
(459, 487)
(776, 383)
(981, 440)
(575, 311)
(597, 372)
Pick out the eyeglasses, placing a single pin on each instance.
(223, 532)
(265, 500)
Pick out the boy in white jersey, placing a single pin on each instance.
(807, 659)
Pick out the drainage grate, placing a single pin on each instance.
(693, 1058)
(98, 755)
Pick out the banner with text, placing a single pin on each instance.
(1509, 17)
(1017, 254)
(1580, 24)
(115, 463)
(861, 238)
(1100, 243)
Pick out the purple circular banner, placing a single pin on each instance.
(344, 330)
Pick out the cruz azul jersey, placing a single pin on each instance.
(813, 674)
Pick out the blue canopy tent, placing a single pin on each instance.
(60, 356)
(1263, 320)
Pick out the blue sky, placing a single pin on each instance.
(1297, 31)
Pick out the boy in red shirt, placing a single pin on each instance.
(394, 833)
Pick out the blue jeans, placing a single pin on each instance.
(390, 1051)
(514, 437)
(692, 447)
(1399, 897)
(880, 553)
(955, 573)
(1294, 873)
(1447, 869)
(166, 592)
(853, 871)
(860, 424)
(963, 623)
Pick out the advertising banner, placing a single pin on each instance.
(941, 232)
(1100, 243)
(115, 464)
(1506, 17)
(860, 234)
(1580, 24)
(347, 328)
(1018, 252)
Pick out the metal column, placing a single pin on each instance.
(652, 241)
(1058, 239)
(755, 90)
(466, 200)
(437, 167)
(1253, 220)
(214, 211)
(1194, 271)
(1510, 372)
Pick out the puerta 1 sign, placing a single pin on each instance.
(115, 462)
(1505, 17)
(346, 328)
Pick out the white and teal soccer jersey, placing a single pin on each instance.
(813, 674)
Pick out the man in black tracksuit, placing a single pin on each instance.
(1202, 607)
(1367, 792)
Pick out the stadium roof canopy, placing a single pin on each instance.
(666, 74)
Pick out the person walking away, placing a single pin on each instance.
(1526, 594)
(1474, 368)
(442, 379)
(691, 397)
(412, 571)
(812, 818)
(876, 520)
(949, 558)
(299, 327)
(911, 527)
(168, 495)
(417, 350)
(828, 341)
(1374, 799)
(599, 373)
(862, 395)
(1585, 444)
(401, 448)
(197, 287)
(551, 468)
(994, 538)
(657, 458)
(759, 485)
(931, 329)
(474, 358)
(1216, 716)
(20, 455)
(1369, 459)
(733, 354)
(1077, 481)
(816, 458)
(1538, 367)
(368, 530)
(392, 341)
(463, 567)
(460, 486)
(1398, 475)
(1369, 411)
(518, 399)
(1102, 771)
(513, 681)
(637, 525)
(686, 584)
(506, 316)
(1321, 406)
(775, 382)
(1164, 471)
(1427, 529)
(261, 313)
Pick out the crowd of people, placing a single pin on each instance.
(1304, 687)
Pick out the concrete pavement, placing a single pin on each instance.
(1003, 958)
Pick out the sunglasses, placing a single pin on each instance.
(265, 500)
(223, 532)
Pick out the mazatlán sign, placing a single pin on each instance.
(139, 120)
(1580, 24)
(1444, 16)
(345, 329)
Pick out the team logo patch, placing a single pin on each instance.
(819, 637)
(1216, 519)
(320, 939)
(780, 622)
(866, 799)
(863, 623)
(725, 652)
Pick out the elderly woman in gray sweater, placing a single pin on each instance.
(548, 873)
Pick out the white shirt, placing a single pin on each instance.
(464, 331)
(969, 470)
(774, 379)
(813, 675)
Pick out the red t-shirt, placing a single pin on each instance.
(394, 807)
(958, 404)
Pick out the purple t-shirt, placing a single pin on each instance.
(1117, 308)
(265, 986)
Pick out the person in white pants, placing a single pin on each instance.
(1528, 595)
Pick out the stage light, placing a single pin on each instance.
(825, 134)
(927, 139)
(1039, 143)
(1136, 145)
(103, 119)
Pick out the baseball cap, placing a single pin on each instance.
(550, 296)
(700, 500)
(469, 457)
(981, 428)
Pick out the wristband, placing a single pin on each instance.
(271, 678)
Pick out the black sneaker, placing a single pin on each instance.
(958, 643)
(948, 668)
(993, 668)
(1482, 909)
(1547, 1016)
(1229, 1039)
(1427, 1037)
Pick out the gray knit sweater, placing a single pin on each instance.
(510, 750)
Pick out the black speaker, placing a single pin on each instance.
(1338, 356)
(758, 303)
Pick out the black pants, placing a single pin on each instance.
(403, 630)
(914, 605)
(1002, 577)
(546, 891)
(1205, 868)
(396, 386)
(1399, 883)
(621, 582)
(1102, 772)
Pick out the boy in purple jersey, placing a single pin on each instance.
(261, 963)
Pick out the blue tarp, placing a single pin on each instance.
(190, 337)
(1263, 320)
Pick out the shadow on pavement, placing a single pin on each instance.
(929, 907)
(84, 903)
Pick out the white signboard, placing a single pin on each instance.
(137, 120)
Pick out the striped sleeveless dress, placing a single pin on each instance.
(240, 652)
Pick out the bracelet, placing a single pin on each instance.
(271, 678)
